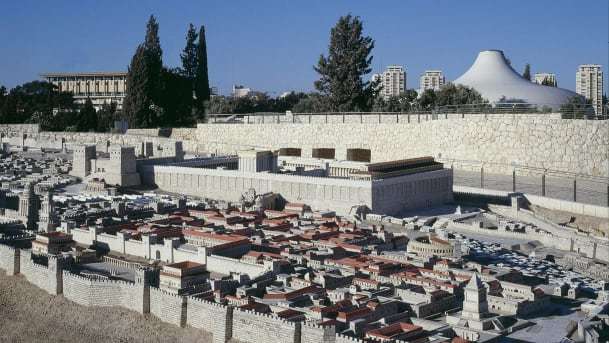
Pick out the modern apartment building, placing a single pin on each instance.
(240, 91)
(393, 81)
(431, 79)
(589, 83)
(101, 87)
(550, 77)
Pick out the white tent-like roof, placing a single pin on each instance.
(493, 77)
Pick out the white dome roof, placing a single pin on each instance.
(494, 78)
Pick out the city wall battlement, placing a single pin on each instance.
(222, 321)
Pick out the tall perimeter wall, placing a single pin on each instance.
(578, 146)
(498, 140)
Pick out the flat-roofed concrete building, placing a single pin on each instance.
(589, 83)
(101, 87)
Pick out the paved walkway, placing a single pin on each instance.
(589, 192)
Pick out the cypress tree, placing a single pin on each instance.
(189, 54)
(154, 58)
(87, 119)
(347, 62)
(201, 87)
(138, 100)
(527, 72)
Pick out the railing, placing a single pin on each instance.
(576, 187)
(586, 112)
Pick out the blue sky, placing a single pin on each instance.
(272, 45)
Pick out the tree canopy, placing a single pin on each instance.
(527, 72)
(341, 71)
(201, 85)
(189, 54)
(162, 96)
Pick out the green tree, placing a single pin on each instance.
(33, 102)
(427, 100)
(527, 72)
(313, 103)
(105, 117)
(577, 107)
(176, 103)
(547, 82)
(451, 95)
(347, 62)
(137, 105)
(201, 87)
(189, 54)
(87, 117)
(154, 57)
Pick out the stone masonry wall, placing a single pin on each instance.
(170, 308)
(310, 333)
(90, 292)
(47, 278)
(211, 317)
(252, 327)
(578, 146)
(347, 339)
(9, 259)
(541, 141)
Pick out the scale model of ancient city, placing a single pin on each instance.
(455, 224)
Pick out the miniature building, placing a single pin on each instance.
(52, 243)
(28, 207)
(217, 242)
(181, 277)
(396, 331)
(431, 246)
(475, 322)
(386, 188)
(118, 169)
(47, 221)
(256, 161)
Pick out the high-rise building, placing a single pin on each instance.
(549, 78)
(431, 79)
(240, 91)
(589, 83)
(393, 81)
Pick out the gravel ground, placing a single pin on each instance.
(28, 314)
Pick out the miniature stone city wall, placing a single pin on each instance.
(49, 277)
(90, 292)
(9, 259)
(248, 324)
(212, 317)
(223, 322)
(170, 308)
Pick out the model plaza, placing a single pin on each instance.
(172, 177)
